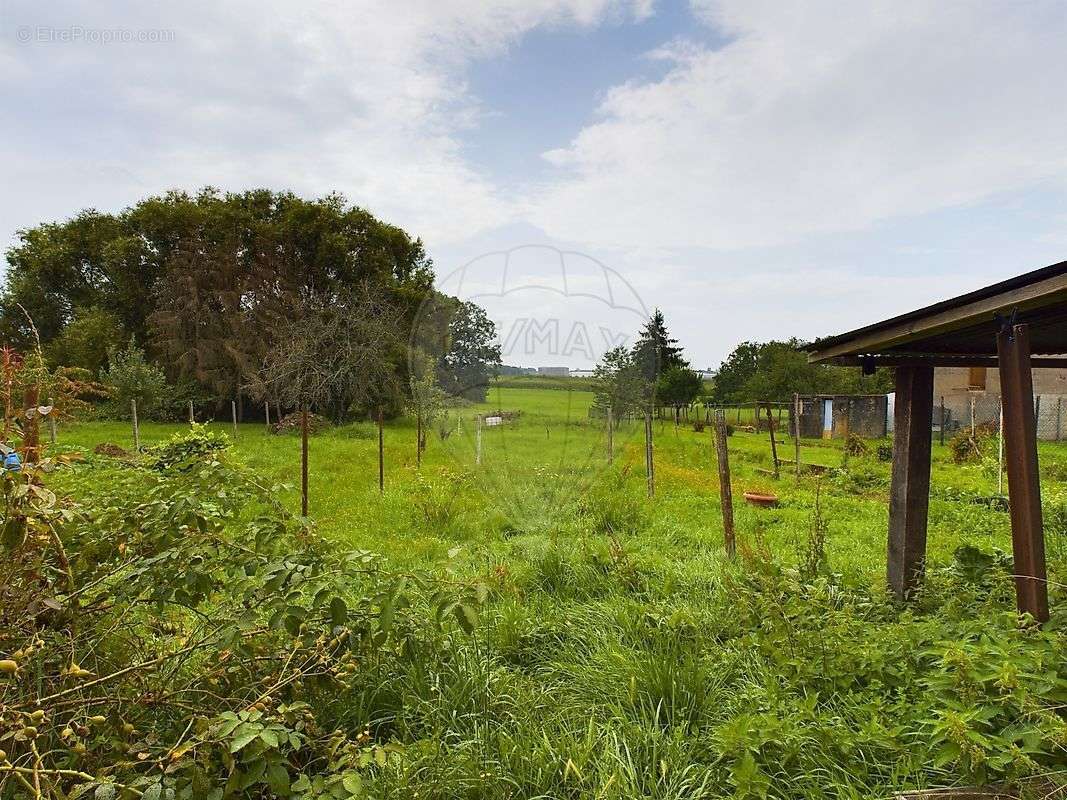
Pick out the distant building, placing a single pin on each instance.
(555, 372)
(509, 371)
(976, 390)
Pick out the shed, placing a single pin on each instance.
(836, 416)
(1016, 325)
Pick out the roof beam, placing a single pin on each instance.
(890, 334)
(905, 360)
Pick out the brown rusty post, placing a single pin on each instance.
(31, 442)
(52, 420)
(136, 427)
(304, 461)
(1024, 486)
(798, 411)
(650, 466)
(381, 453)
(909, 494)
(774, 446)
(611, 436)
(726, 497)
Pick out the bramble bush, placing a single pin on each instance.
(168, 631)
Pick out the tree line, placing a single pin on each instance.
(654, 374)
(215, 291)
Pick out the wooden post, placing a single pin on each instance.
(611, 436)
(774, 446)
(266, 413)
(304, 461)
(726, 496)
(381, 453)
(478, 440)
(52, 420)
(650, 466)
(1059, 414)
(31, 443)
(942, 432)
(798, 412)
(192, 419)
(418, 439)
(233, 412)
(1024, 486)
(909, 494)
(136, 427)
(1000, 450)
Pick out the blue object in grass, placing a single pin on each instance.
(12, 463)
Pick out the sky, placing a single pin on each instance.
(755, 168)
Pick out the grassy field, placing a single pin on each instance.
(620, 654)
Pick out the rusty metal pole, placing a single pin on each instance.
(798, 411)
(304, 461)
(774, 446)
(136, 427)
(650, 465)
(381, 453)
(31, 443)
(611, 435)
(1024, 482)
(52, 420)
(726, 498)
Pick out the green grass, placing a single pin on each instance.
(620, 653)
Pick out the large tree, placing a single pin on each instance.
(471, 354)
(206, 281)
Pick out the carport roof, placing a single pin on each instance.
(962, 331)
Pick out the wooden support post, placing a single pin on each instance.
(611, 436)
(1024, 486)
(909, 496)
(650, 465)
(304, 461)
(726, 496)
(381, 453)
(233, 413)
(266, 413)
(774, 445)
(192, 419)
(136, 427)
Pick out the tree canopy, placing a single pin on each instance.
(776, 370)
(208, 284)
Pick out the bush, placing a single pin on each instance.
(290, 423)
(966, 447)
(186, 451)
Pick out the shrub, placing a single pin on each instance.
(187, 450)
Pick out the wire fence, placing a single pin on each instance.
(983, 411)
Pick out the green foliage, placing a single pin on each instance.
(132, 377)
(472, 355)
(187, 450)
(87, 339)
(776, 370)
(173, 633)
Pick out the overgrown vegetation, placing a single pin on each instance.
(617, 654)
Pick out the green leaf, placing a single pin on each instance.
(269, 737)
(467, 617)
(105, 791)
(352, 782)
(242, 740)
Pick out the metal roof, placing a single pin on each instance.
(961, 329)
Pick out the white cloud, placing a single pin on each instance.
(364, 97)
(818, 117)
